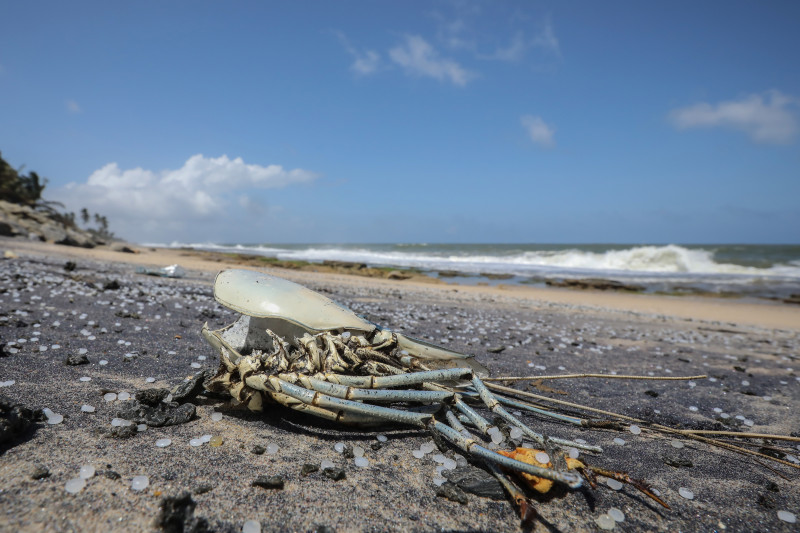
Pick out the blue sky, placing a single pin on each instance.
(448, 121)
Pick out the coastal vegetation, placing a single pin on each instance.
(25, 190)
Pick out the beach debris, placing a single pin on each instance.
(787, 516)
(191, 388)
(475, 481)
(298, 348)
(308, 469)
(251, 526)
(140, 483)
(75, 485)
(452, 492)
(171, 271)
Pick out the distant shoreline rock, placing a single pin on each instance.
(25, 222)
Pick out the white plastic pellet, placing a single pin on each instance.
(110, 396)
(55, 418)
(150, 380)
(358, 451)
(195, 442)
(605, 522)
(382, 438)
(139, 483)
(272, 448)
(361, 461)
(84, 378)
(163, 443)
(787, 516)
(87, 408)
(75, 485)
(205, 438)
(676, 443)
(251, 526)
(419, 454)
(614, 484)
(636, 430)
(619, 441)
(216, 417)
(86, 472)
(439, 481)
(542, 457)
(515, 433)
(325, 464)
(339, 447)
(686, 493)
(616, 514)
(124, 396)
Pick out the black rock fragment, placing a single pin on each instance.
(336, 474)
(162, 414)
(123, 432)
(677, 462)
(652, 393)
(40, 472)
(203, 488)
(475, 481)
(322, 528)
(15, 420)
(258, 450)
(268, 482)
(76, 359)
(452, 492)
(188, 390)
(347, 452)
(69, 266)
(110, 474)
(112, 285)
(151, 397)
(177, 515)
(308, 468)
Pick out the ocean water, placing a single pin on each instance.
(769, 271)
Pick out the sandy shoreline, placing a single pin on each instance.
(732, 311)
(148, 327)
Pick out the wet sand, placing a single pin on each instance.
(149, 327)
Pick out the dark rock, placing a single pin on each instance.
(677, 462)
(203, 488)
(70, 266)
(308, 468)
(122, 247)
(112, 285)
(15, 420)
(376, 446)
(347, 452)
(336, 474)
(652, 393)
(127, 314)
(596, 284)
(268, 482)
(766, 500)
(452, 492)
(176, 515)
(258, 449)
(322, 528)
(112, 475)
(151, 397)
(163, 414)
(189, 390)
(123, 432)
(475, 481)
(40, 472)
(76, 359)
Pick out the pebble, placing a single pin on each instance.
(141, 427)
(614, 484)
(251, 526)
(140, 483)
(676, 443)
(358, 451)
(163, 443)
(686, 493)
(787, 516)
(75, 485)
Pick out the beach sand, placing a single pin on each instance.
(149, 327)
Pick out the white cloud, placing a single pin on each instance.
(364, 62)
(419, 58)
(538, 130)
(547, 38)
(73, 107)
(767, 118)
(142, 204)
(513, 52)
